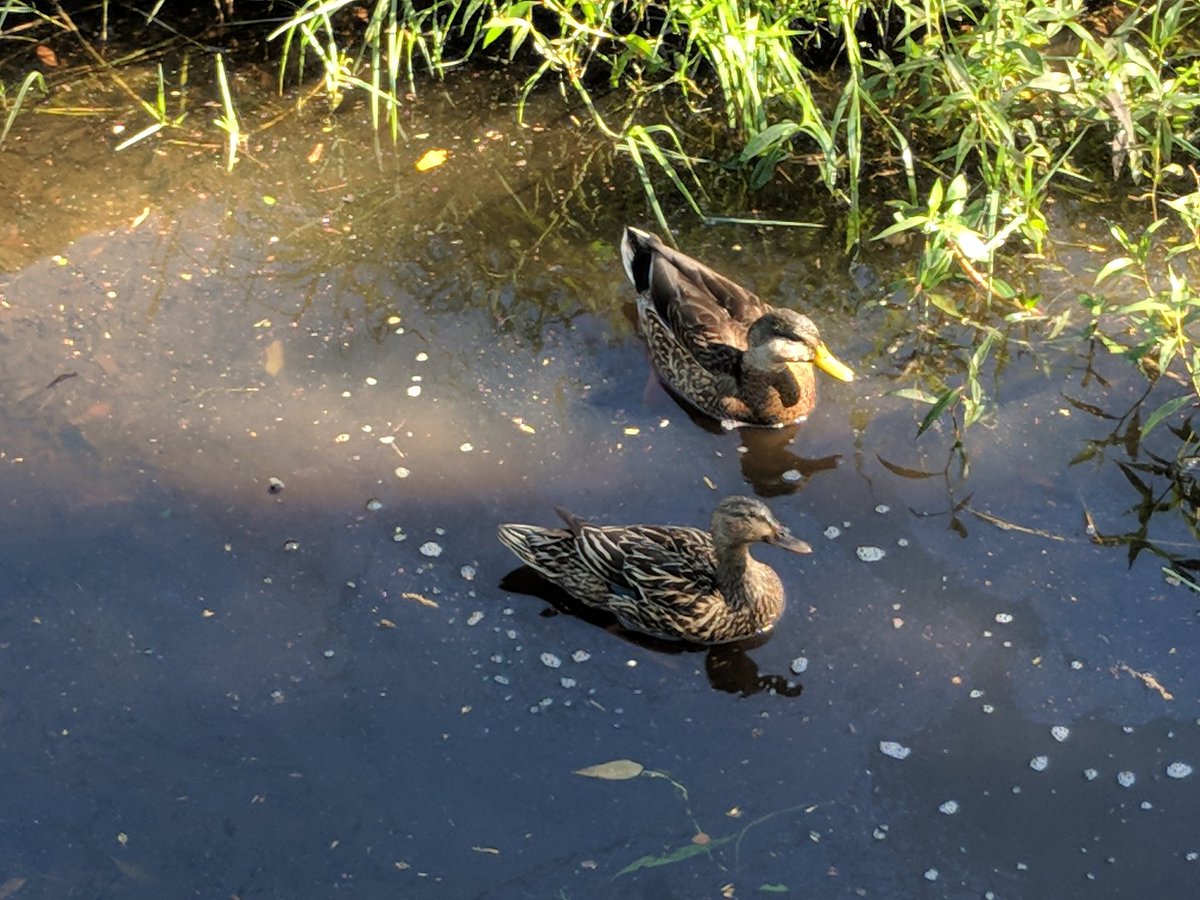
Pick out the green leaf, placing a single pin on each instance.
(1165, 411)
(938, 408)
(1113, 266)
(687, 851)
(768, 139)
(916, 394)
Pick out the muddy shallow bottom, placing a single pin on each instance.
(214, 688)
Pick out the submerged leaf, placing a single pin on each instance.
(687, 851)
(614, 770)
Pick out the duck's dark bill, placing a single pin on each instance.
(785, 540)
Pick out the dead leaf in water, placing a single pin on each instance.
(132, 872)
(274, 357)
(431, 159)
(1148, 680)
(424, 601)
(614, 770)
(46, 56)
(10, 887)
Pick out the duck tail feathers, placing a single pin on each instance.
(637, 253)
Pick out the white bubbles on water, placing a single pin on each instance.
(894, 749)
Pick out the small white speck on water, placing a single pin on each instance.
(1060, 733)
(467, 573)
(1126, 778)
(1022, 867)
(902, 542)
(402, 472)
(631, 663)
(387, 439)
(799, 665)
(341, 438)
(894, 749)
(931, 874)
(328, 654)
(1192, 855)
(374, 505)
(500, 679)
(1004, 618)
(431, 548)
(870, 554)
(511, 634)
(497, 657)
(466, 447)
(439, 531)
(1039, 763)
(274, 485)
(880, 832)
(1076, 664)
(581, 656)
(550, 660)
(1128, 729)
(398, 535)
(415, 378)
(568, 683)
(1016, 789)
(791, 475)
(291, 546)
(413, 390)
(883, 509)
(1091, 774)
(367, 429)
(976, 693)
(988, 709)
(949, 808)
(1146, 804)
(422, 356)
(1179, 770)
(371, 380)
(475, 618)
(832, 532)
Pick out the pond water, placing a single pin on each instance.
(258, 638)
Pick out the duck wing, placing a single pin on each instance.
(650, 560)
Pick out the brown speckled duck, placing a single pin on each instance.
(663, 580)
(720, 347)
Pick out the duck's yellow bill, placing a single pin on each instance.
(830, 364)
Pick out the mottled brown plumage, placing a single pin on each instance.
(718, 345)
(663, 580)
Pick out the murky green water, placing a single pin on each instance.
(211, 689)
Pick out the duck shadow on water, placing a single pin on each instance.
(728, 666)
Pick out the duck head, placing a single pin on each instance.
(786, 337)
(744, 520)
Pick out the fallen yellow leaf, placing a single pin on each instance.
(431, 159)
